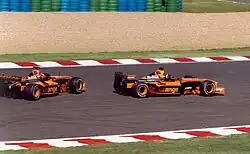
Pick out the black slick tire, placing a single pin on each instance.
(207, 88)
(140, 90)
(32, 92)
(76, 85)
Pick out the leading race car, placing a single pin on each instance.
(33, 89)
(153, 86)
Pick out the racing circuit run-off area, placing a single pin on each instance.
(124, 76)
(101, 110)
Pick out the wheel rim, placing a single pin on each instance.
(209, 88)
(142, 90)
(80, 86)
(37, 92)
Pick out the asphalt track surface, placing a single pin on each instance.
(102, 112)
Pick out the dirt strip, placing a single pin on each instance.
(94, 32)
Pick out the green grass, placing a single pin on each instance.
(212, 6)
(234, 144)
(117, 55)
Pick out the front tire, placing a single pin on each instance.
(76, 85)
(207, 88)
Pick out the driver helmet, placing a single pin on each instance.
(36, 71)
(160, 71)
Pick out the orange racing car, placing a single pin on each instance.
(31, 88)
(155, 86)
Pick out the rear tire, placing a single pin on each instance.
(32, 92)
(207, 88)
(140, 90)
(76, 85)
(15, 92)
(4, 87)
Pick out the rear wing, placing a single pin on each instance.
(131, 77)
(122, 75)
(10, 78)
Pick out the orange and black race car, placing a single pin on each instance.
(34, 89)
(150, 86)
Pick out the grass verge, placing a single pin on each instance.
(234, 144)
(214, 6)
(120, 55)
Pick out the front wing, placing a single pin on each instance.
(218, 91)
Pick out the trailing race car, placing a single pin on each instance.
(150, 86)
(34, 89)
